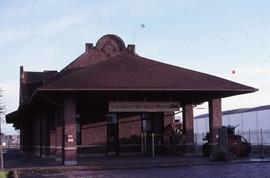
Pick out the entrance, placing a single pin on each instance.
(151, 123)
(112, 135)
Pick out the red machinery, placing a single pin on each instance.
(238, 146)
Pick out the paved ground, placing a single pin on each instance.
(240, 170)
(137, 166)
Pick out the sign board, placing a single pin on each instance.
(118, 106)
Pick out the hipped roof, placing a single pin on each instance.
(132, 72)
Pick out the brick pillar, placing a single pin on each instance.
(52, 133)
(52, 143)
(70, 149)
(58, 135)
(44, 127)
(188, 128)
(39, 136)
(215, 122)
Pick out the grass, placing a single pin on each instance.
(3, 174)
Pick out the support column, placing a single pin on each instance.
(43, 135)
(58, 136)
(52, 142)
(70, 149)
(188, 128)
(215, 122)
(38, 151)
(40, 134)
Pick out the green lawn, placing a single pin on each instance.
(3, 174)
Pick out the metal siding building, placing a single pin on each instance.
(253, 122)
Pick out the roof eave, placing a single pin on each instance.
(144, 89)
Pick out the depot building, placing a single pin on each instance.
(103, 101)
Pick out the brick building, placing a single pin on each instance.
(102, 102)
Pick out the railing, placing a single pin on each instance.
(169, 144)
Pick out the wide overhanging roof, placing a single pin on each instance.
(132, 72)
(11, 117)
(97, 70)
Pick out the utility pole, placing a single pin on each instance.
(1, 148)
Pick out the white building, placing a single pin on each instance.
(10, 141)
(253, 123)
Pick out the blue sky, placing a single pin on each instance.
(211, 36)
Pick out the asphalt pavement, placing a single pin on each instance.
(29, 165)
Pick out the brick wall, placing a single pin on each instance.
(94, 133)
(168, 118)
(130, 126)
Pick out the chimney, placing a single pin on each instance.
(88, 46)
(131, 49)
(21, 73)
(21, 81)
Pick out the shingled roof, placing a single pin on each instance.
(110, 65)
(132, 72)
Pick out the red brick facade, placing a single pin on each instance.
(131, 126)
(188, 128)
(215, 121)
(188, 123)
(168, 118)
(52, 142)
(70, 149)
(94, 134)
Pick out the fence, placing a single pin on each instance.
(256, 138)
(162, 144)
(170, 144)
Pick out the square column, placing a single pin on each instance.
(52, 143)
(58, 135)
(70, 149)
(188, 128)
(215, 122)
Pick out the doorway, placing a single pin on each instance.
(112, 135)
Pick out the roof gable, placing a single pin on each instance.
(106, 47)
